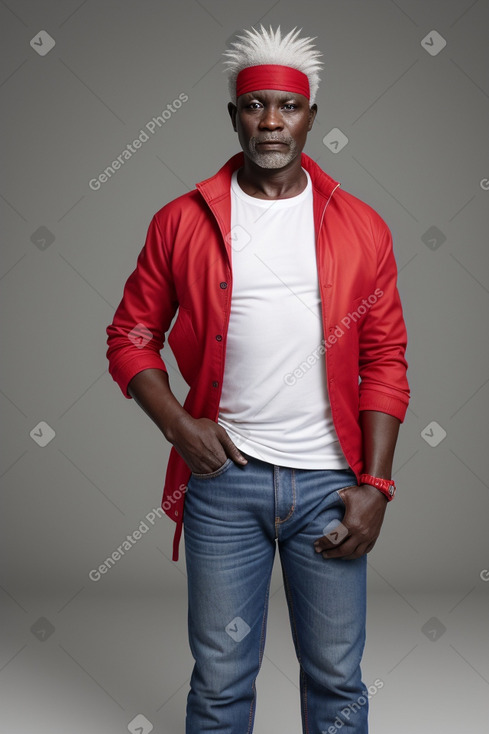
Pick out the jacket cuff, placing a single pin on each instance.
(384, 403)
(123, 374)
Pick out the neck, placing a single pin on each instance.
(272, 183)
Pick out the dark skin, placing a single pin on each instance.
(260, 114)
(204, 444)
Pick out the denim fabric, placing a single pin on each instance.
(234, 519)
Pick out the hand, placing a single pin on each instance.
(203, 444)
(363, 518)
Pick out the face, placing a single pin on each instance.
(272, 126)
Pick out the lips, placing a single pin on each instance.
(271, 142)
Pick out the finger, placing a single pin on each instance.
(344, 492)
(360, 551)
(232, 451)
(326, 542)
(347, 548)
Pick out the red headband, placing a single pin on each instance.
(272, 76)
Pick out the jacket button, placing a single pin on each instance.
(218, 338)
(223, 284)
(215, 384)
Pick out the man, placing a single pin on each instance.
(291, 337)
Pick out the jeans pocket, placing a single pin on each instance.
(216, 473)
(340, 498)
(338, 493)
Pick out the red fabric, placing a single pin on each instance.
(272, 76)
(186, 265)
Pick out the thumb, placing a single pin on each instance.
(233, 452)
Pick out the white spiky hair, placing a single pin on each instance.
(268, 47)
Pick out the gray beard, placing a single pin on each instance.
(272, 159)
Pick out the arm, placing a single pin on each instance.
(382, 338)
(383, 400)
(136, 335)
(365, 505)
(203, 444)
(148, 305)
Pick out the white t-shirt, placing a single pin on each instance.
(275, 325)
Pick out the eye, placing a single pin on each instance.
(290, 106)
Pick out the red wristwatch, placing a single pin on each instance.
(386, 486)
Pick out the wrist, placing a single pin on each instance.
(172, 421)
(384, 485)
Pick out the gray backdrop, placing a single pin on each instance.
(405, 82)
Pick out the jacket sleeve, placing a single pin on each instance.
(142, 318)
(383, 338)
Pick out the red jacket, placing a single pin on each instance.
(185, 264)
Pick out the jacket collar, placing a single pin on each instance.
(217, 193)
(214, 188)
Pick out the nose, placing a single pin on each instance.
(271, 118)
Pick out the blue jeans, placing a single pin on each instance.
(232, 520)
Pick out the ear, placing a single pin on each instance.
(312, 116)
(233, 111)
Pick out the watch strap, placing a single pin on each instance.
(386, 486)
